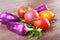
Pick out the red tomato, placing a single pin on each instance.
(21, 11)
(42, 23)
(30, 15)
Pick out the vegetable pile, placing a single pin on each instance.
(32, 22)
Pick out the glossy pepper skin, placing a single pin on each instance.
(47, 14)
(17, 27)
(7, 17)
(42, 23)
(41, 8)
(4, 21)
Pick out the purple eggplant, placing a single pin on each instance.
(42, 7)
(18, 27)
(8, 17)
(4, 21)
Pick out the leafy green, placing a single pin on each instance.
(54, 20)
(35, 32)
(21, 19)
(31, 34)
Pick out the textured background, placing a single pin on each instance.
(11, 6)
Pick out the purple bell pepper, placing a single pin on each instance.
(42, 7)
(18, 27)
(8, 17)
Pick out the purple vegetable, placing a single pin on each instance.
(42, 7)
(4, 21)
(7, 17)
(18, 27)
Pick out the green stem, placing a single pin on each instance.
(22, 20)
(35, 32)
(28, 29)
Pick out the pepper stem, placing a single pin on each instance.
(28, 29)
(31, 29)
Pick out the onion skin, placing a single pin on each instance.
(42, 7)
(8, 17)
(17, 27)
